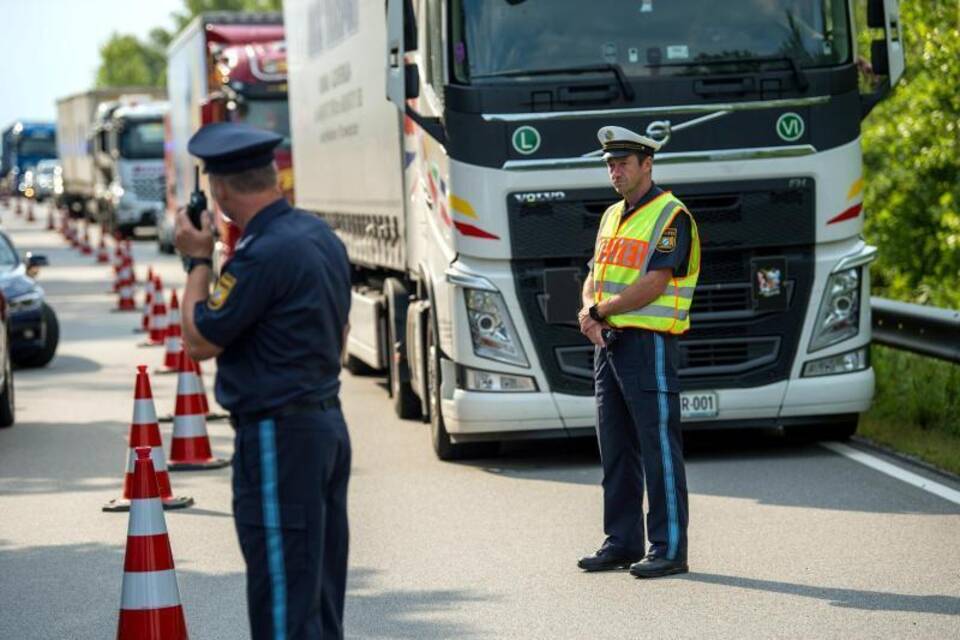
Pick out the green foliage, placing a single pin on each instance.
(911, 157)
(125, 60)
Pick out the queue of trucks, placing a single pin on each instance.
(451, 144)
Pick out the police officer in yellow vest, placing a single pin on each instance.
(635, 304)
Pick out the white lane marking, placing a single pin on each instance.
(892, 470)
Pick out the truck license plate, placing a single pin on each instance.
(702, 404)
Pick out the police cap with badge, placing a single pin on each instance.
(233, 147)
(619, 142)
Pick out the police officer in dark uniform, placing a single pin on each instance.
(636, 302)
(276, 322)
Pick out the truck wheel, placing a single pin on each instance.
(406, 404)
(43, 356)
(442, 446)
(6, 395)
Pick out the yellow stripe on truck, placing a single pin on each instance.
(462, 206)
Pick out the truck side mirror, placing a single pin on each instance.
(411, 80)
(875, 13)
(886, 54)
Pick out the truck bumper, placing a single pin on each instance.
(473, 416)
(138, 216)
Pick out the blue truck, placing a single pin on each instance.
(24, 145)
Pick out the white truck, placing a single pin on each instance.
(128, 151)
(459, 168)
(77, 130)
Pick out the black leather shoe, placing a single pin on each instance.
(656, 566)
(606, 560)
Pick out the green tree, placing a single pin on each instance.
(912, 163)
(125, 61)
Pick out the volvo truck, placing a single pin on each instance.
(224, 66)
(460, 168)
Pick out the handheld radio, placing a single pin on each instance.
(198, 201)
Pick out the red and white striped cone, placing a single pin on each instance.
(128, 252)
(147, 302)
(173, 341)
(158, 320)
(119, 262)
(85, 247)
(125, 301)
(145, 432)
(190, 447)
(51, 225)
(30, 216)
(103, 257)
(150, 606)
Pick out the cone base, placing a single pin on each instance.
(200, 465)
(164, 372)
(211, 417)
(144, 345)
(120, 505)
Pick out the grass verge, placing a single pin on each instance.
(917, 407)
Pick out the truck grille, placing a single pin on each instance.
(150, 188)
(730, 344)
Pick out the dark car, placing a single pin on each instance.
(31, 324)
(6, 370)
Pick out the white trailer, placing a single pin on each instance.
(451, 144)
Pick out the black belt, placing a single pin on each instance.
(295, 407)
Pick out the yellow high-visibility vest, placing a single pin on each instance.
(622, 255)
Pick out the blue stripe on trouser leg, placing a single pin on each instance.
(670, 488)
(271, 526)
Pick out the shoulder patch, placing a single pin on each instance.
(668, 241)
(221, 291)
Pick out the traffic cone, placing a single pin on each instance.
(18, 211)
(145, 432)
(158, 319)
(150, 606)
(118, 264)
(85, 247)
(125, 302)
(173, 341)
(103, 257)
(128, 252)
(30, 216)
(51, 226)
(190, 447)
(147, 302)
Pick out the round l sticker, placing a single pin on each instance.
(526, 140)
(790, 127)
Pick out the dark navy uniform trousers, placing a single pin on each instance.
(290, 475)
(638, 428)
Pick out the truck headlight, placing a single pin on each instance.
(491, 329)
(479, 380)
(839, 316)
(848, 362)
(26, 302)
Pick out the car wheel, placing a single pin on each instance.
(6, 395)
(41, 357)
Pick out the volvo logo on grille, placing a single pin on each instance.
(536, 197)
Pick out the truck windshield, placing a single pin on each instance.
(142, 140)
(43, 147)
(272, 115)
(644, 37)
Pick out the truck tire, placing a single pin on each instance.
(406, 404)
(442, 446)
(42, 357)
(7, 409)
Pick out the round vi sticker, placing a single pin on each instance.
(790, 127)
(526, 140)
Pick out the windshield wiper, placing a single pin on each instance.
(612, 67)
(798, 73)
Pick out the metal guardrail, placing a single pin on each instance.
(917, 328)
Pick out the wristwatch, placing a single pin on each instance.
(190, 263)
(595, 313)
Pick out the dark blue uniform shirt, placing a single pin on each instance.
(644, 349)
(278, 311)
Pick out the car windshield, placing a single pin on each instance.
(8, 255)
(44, 146)
(142, 139)
(643, 37)
(272, 115)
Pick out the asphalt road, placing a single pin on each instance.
(786, 540)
